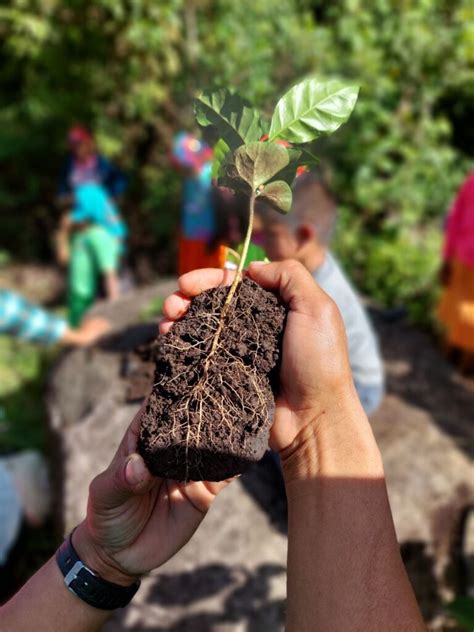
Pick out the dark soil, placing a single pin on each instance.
(209, 415)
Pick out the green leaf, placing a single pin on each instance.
(232, 117)
(278, 195)
(462, 609)
(312, 108)
(288, 174)
(221, 150)
(308, 158)
(257, 163)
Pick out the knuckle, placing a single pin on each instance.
(293, 267)
(167, 304)
(329, 310)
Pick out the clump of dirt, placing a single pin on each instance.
(209, 414)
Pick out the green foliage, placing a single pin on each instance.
(23, 370)
(131, 70)
(248, 160)
(402, 264)
(462, 609)
(278, 195)
(312, 108)
(257, 163)
(236, 121)
(153, 309)
(395, 168)
(4, 258)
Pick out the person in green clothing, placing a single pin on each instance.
(92, 254)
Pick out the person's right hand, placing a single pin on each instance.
(89, 332)
(315, 375)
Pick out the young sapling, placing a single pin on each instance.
(211, 408)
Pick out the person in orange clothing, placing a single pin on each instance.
(456, 308)
(197, 248)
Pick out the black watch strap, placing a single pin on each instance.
(88, 586)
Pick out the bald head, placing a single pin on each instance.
(312, 205)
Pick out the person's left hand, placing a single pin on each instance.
(136, 522)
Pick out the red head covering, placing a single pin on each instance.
(79, 134)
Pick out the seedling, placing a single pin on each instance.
(261, 158)
(211, 408)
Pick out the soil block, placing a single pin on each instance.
(209, 414)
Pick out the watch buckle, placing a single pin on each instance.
(73, 573)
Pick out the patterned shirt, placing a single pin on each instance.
(30, 322)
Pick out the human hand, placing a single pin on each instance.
(315, 376)
(65, 222)
(136, 522)
(90, 330)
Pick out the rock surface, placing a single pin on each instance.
(231, 576)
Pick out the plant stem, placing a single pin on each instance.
(245, 249)
(238, 276)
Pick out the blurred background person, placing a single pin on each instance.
(456, 308)
(305, 234)
(89, 241)
(22, 319)
(24, 488)
(198, 228)
(85, 165)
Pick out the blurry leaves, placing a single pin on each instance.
(462, 609)
(122, 68)
(312, 108)
(152, 309)
(27, 31)
(288, 174)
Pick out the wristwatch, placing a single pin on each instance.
(87, 585)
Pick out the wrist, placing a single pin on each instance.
(336, 440)
(71, 336)
(97, 559)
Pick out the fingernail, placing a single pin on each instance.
(135, 470)
(259, 263)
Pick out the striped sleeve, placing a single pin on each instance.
(27, 321)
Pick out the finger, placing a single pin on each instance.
(175, 306)
(129, 442)
(123, 479)
(165, 325)
(197, 281)
(292, 282)
(202, 493)
(131, 436)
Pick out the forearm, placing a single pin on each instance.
(62, 247)
(112, 289)
(344, 564)
(44, 604)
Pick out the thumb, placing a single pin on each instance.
(136, 473)
(291, 281)
(123, 479)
